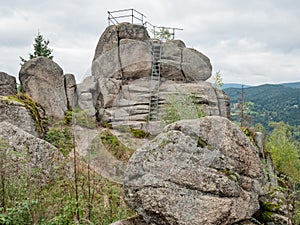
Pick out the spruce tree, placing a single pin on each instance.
(40, 47)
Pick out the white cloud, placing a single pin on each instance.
(251, 42)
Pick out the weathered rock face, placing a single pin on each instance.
(130, 102)
(8, 84)
(43, 156)
(109, 38)
(87, 94)
(16, 113)
(70, 90)
(42, 79)
(202, 171)
(122, 68)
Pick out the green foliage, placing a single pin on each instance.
(36, 110)
(20, 214)
(182, 106)
(113, 145)
(40, 47)
(19, 88)
(81, 117)
(269, 103)
(163, 34)
(266, 212)
(139, 133)
(62, 138)
(260, 128)
(218, 81)
(249, 133)
(68, 119)
(30, 201)
(284, 151)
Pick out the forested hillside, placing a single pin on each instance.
(268, 103)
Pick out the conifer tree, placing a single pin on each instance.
(40, 47)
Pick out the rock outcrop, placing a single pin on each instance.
(121, 72)
(42, 156)
(202, 171)
(109, 38)
(8, 84)
(86, 94)
(70, 90)
(16, 113)
(42, 79)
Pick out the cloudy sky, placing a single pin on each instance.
(250, 42)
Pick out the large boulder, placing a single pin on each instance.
(109, 38)
(203, 171)
(125, 52)
(131, 59)
(122, 68)
(42, 79)
(179, 63)
(39, 155)
(8, 84)
(16, 113)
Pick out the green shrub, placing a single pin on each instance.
(139, 133)
(81, 117)
(20, 214)
(62, 138)
(113, 145)
(182, 106)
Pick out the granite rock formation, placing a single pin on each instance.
(119, 88)
(42, 79)
(42, 155)
(202, 171)
(8, 84)
(16, 113)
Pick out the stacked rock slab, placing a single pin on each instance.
(202, 171)
(122, 68)
(42, 79)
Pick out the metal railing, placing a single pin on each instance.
(132, 14)
(135, 17)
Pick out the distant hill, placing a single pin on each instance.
(295, 85)
(234, 85)
(270, 102)
(292, 85)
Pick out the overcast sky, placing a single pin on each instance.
(250, 42)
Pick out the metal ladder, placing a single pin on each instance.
(154, 82)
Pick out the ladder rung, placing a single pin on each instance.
(154, 87)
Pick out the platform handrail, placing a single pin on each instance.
(113, 19)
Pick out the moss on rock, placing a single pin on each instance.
(36, 110)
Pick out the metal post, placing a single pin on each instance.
(131, 16)
(108, 18)
(173, 33)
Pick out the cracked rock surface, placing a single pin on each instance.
(121, 70)
(202, 171)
